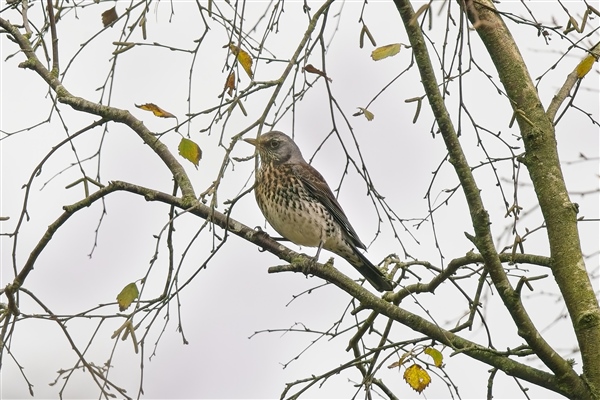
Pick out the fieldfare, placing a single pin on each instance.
(299, 205)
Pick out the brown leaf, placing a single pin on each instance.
(156, 110)
(230, 84)
(109, 16)
(398, 363)
(311, 69)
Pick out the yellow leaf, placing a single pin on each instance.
(189, 150)
(417, 378)
(385, 51)
(156, 110)
(437, 356)
(243, 58)
(585, 66)
(368, 114)
(127, 296)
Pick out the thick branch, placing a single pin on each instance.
(415, 322)
(542, 161)
(298, 262)
(469, 258)
(479, 216)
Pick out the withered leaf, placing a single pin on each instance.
(109, 16)
(156, 110)
(230, 84)
(311, 69)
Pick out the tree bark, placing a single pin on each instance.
(542, 161)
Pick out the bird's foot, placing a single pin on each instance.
(304, 263)
(259, 231)
(308, 265)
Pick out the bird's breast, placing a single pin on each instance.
(291, 210)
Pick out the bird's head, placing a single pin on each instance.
(276, 148)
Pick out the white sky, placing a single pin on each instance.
(235, 297)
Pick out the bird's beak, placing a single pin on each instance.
(253, 142)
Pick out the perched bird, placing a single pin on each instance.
(299, 205)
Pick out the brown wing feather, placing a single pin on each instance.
(315, 184)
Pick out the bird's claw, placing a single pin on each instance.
(308, 264)
(311, 263)
(259, 232)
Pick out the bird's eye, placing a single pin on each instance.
(274, 144)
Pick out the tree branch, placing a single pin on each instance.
(479, 216)
(419, 324)
(108, 113)
(560, 214)
(565, 90)
(298, 263)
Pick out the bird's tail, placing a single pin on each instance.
(371, 273)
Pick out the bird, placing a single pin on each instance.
(297, 202)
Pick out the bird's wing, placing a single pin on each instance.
(315, 184)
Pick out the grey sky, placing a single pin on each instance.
(235, 297)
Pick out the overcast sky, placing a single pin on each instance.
(235, 297)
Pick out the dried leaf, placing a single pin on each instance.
(436, 355)
(243, 58)
(230, 84)
(127, 296)
(109, 16)
(311, 69)
(585, 65)
(399, 362)
(386, 51)
(417, 378)
(156, 110)
(189, 150)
